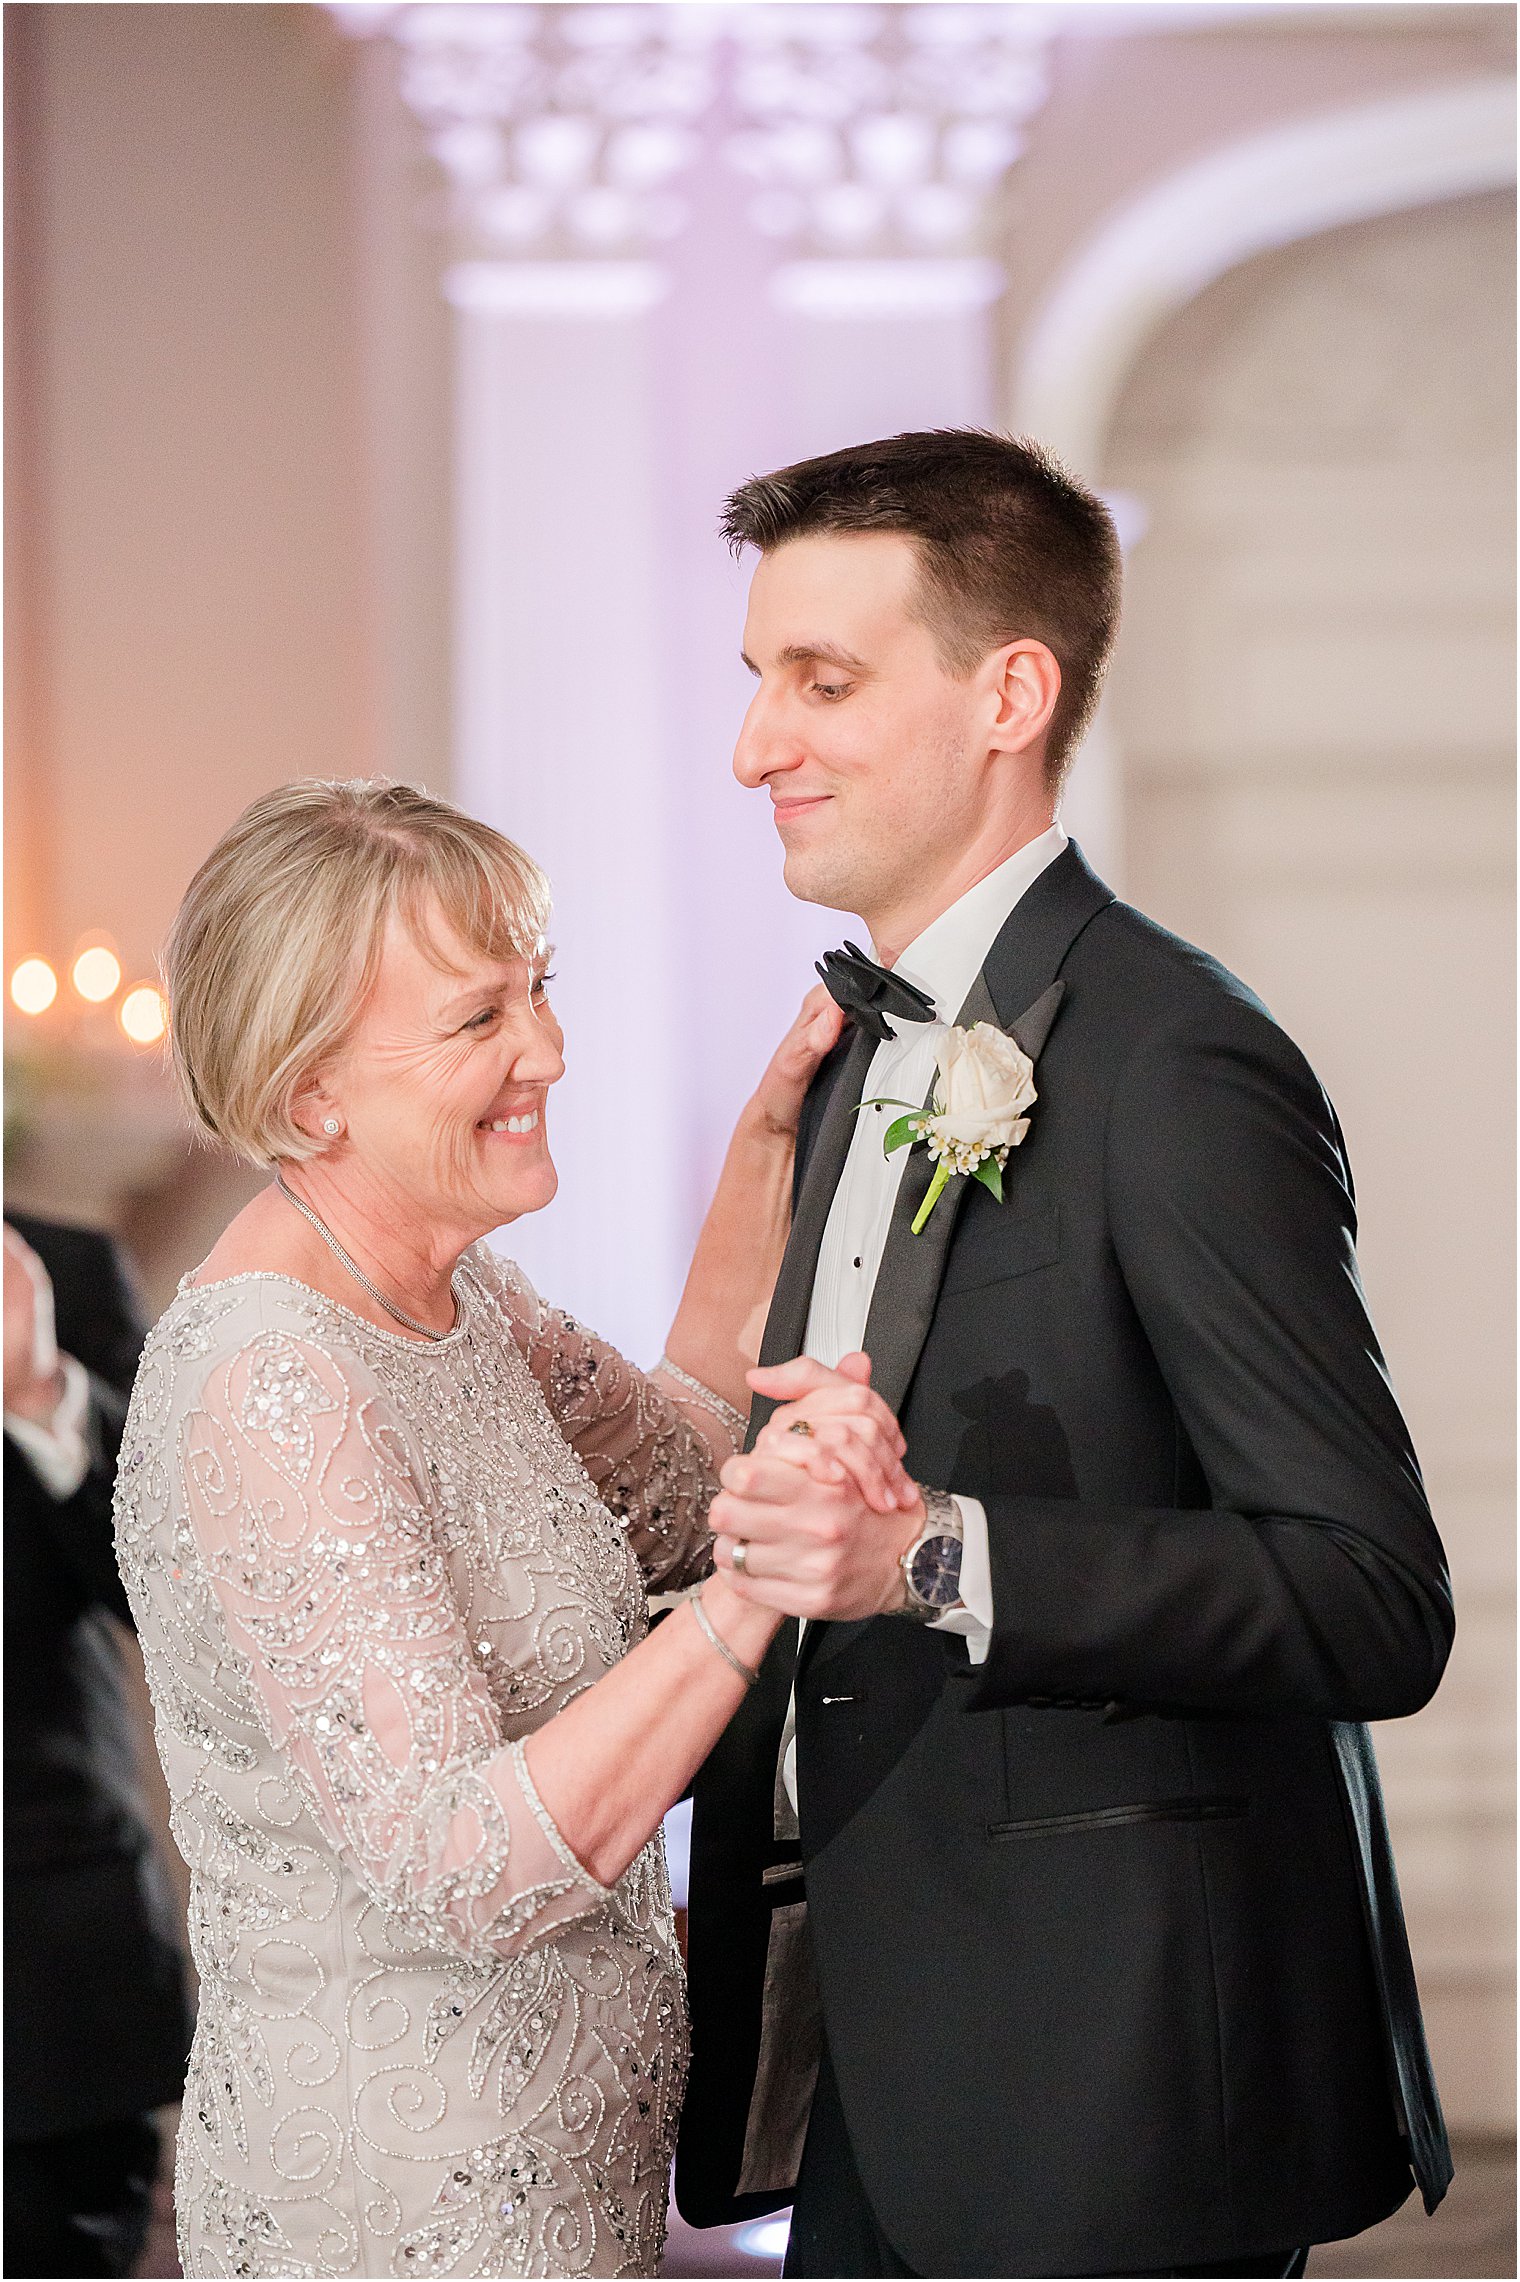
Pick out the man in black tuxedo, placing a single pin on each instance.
(97, 2022)
(1042, 1901)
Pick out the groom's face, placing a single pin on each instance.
(866, 744)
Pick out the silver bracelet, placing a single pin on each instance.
(704, 1397)
(750, 1678)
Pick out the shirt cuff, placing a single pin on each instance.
(973, 1618)
(58, 1450)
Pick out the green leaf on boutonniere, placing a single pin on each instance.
(898, 1134)
(990, 1173)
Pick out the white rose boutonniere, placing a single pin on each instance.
(984, 1090)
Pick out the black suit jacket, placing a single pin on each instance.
(97, 2023)
(1106, 1929)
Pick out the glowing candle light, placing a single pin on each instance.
(96, 974)
(143, 1014)
(34, 986)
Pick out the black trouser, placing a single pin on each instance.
(834, 2231)
(79, 2203)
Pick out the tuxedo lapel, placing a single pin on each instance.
(1017, 991)
(1028, 954)
(786, 1324)
(908, 1280)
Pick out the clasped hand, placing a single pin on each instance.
(824, 1517)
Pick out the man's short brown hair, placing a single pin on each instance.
(1011, 548)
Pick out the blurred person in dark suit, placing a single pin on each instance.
(97, 2017)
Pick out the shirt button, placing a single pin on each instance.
(857, 1259)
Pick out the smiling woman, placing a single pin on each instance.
(278, 941)
(387, 1523)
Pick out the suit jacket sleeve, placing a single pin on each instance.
(98, 1321)
(1313, 1582)
(80, 1527)
(98, 1314)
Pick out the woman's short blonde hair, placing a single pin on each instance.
(275, 946)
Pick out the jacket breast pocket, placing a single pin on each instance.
(1008, 1243)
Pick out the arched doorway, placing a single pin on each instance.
(1313, 701)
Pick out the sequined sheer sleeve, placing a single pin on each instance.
(309, 1512)
(652, 1442)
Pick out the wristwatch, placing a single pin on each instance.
(931, 1566)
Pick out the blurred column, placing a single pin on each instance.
(559, 739)
(550, 139)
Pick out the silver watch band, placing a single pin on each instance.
(942, 1518)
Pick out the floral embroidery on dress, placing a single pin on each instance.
(283, 1398)
(364, 1570)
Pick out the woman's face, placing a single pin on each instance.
(442, 1087)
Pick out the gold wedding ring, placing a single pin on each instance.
(800, 1426)
(739, 1557)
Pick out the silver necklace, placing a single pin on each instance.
(357, 1272)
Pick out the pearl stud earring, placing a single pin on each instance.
(331, 1125)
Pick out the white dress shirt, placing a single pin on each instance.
(944, 961)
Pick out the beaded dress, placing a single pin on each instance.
(364, 1568)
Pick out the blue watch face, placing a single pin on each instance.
(935, 1572)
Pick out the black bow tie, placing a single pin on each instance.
(868, 993)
